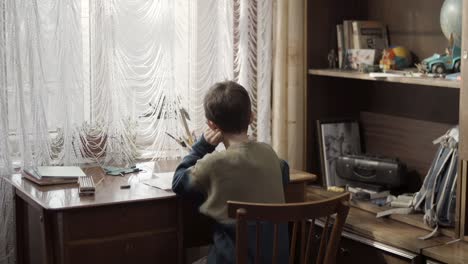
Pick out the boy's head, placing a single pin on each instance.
(227, 106)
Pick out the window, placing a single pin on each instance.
(123, 69)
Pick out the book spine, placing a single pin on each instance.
(356, 35)
(346, 36)
(339, 37)
(385, 37)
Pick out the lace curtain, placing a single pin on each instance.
(40, 78)
(151, 58)
(86, 81)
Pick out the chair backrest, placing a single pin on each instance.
(302, 216)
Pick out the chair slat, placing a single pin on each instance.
(323, 238)
(342, 212)
(258, 235)
(241, 237)
(275, 244)
(292, 250)
(310, 238)
(303, 232)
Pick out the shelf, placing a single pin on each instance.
(408, 80)
(384, 230)
(415, 219)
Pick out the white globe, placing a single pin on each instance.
(451, 20)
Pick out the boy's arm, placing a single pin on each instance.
(181, 180)
(284, 172)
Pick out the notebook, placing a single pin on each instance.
(48, 181)
(59, 172)
(48, 175)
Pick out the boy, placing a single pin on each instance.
(247, 171)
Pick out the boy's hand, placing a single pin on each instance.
(213, 137)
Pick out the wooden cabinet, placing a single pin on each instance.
(399, 117)
(151, 248)
(353, 248)
(359, 249)
(139, 232)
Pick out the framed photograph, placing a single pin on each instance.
(336, 138)
(359, 57)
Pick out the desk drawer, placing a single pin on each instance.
(115, 220)
(351, 251)
(357, 249)
(155, 248)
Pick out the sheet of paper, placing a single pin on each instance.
(385, 75)
(161, 181)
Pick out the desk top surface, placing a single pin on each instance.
(108, 191)
(456, 252)
(384, 230)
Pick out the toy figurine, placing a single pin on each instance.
(332, 59)
(387, 62)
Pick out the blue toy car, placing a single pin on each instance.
(443, 63)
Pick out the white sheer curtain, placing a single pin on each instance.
(82, 81)
(150, 58)
(40, 93)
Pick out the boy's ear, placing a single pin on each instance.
(212, 125)
(252, 117)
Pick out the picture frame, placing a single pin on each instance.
(336, 138)
(357, 58)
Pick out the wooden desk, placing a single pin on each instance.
(295, 191)
(137, 225)
(453, 253)
(381, 240)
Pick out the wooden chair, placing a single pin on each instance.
(300, 214)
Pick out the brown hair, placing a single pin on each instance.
(227, 104)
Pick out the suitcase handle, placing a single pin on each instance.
(364, 173)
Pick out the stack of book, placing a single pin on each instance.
(365, 194)
(355, 35)
(50, 175)
(86, 185)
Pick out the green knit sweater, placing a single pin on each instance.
(247, 172)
